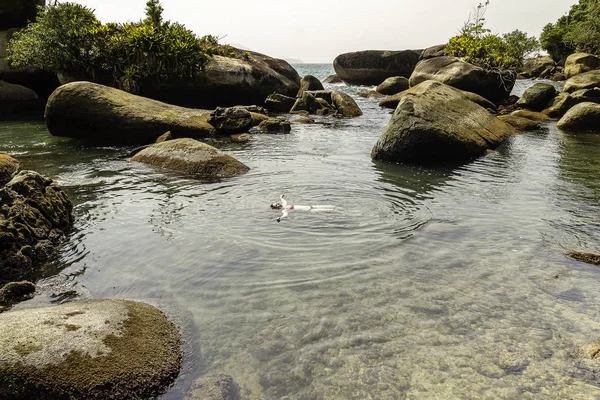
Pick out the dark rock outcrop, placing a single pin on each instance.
(275, 125)
(537, 97)
(100, 349)
(17, 99)
(230, 120)
(309, 82)
(435, 123)
(371, 67)
(306, 103)
(279, 103)
(457, 73)
(393, 85)
(583, 117)
(35, 217)
(107, 115)
(16, 291)
(229, 82)
(191, 157)
(17, 13)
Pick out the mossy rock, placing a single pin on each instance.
(588, 258)
(436, 123)
(99, 349)
(520, 123)
(191, 157)
(345, 105)
(531, 115)
(35, 217)
(584, 117)
(537, 97)
(393, 85)
(107, 115)
(309, 82)
(8, 168)
(16, 290)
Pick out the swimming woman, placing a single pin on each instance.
(285, 208)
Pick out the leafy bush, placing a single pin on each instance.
(67, 38)
(579, 30)
(477, 45)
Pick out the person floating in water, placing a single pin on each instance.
(285, 208)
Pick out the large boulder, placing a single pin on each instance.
(8, 168)
(453, 71)
(434, 51)
(107, 115)
(191, 157)
(17, 13)
(586, 80)
(535, 67)
(98, 349)
(17, 99)
(372, 67)
(579, 63)
(35, 217)
(228, 82)
(309, 82)
(435, 123)
(584, 117)
(393, 85)
(392, 101)
(537, 97)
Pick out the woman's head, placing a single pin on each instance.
(276, 206)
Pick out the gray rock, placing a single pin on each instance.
(586, 80)
(579, 63)
(230, 120)
(35, 217)
(280, 103)
(191, 157)
(537, 97)
(434, 51)
(393, 85)
(107, 115)
(372, 67)
(435, 123)
(309, 82)
(457, 73)
(102, 349)
(583, 117)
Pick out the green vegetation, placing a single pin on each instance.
(67, 38)
(579, 30)
(477, 45)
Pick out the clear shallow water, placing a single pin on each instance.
(424, 283)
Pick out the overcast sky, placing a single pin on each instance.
(319, 30)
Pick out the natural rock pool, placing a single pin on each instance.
(434, 282)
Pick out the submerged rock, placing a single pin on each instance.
(8, 168)
(372, 67)
(579, 63)
(454, 72)
(584, 117)
(588, 258)
(520, 123)
(107, 115)
(101, 349)
(191, 157)
(309, 82)
(435, 123)
(35, 217)
(16, 99)
(393, 85)
(221, 387)
(241, 137)
(537, 97)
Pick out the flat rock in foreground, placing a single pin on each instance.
(191, 157)
(107, 115)
(101, 349)
(435, 123)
